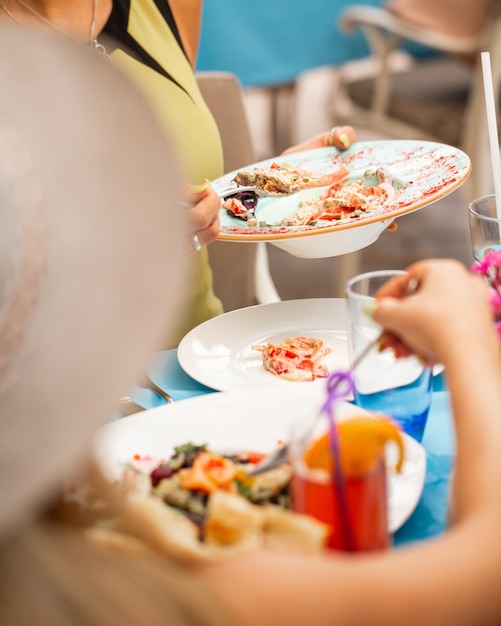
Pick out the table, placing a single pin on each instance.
(430, 516)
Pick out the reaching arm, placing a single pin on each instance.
(458, 331)
(340, 137)
(450, 580)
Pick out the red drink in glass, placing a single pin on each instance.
(339, 478)
(365, 502)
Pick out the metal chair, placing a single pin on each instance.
(438, 99)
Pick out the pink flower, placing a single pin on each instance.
(495, 302)
(490, 269)
(481, 268)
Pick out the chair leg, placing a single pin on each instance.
(349, 266)
(265, 287)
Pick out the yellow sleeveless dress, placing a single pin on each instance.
(147, 45)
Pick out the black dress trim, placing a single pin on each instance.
(116, 29)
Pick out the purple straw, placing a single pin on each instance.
(339, 386)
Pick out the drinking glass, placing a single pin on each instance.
(399, 388)
(485, 226)
(354, 504)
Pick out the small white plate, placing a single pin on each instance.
(219, 354)
(243, 420)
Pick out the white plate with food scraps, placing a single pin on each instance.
(423, 173)
(249, 421)
(219, 352)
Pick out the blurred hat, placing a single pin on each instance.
(91, 239)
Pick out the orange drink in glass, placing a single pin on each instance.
(352, 498)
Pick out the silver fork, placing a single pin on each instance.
(261, 193)
(147, 383)
(127, 406)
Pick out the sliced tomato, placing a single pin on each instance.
(295, 357)
(336, 213)
(255, 457)
(306, 364)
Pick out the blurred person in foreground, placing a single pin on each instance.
(62, 147)
(73, 170)
(155, 42)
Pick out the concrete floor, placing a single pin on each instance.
(439, 230)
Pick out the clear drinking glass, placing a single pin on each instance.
(353, 502)
(485, 226)
(399, 388)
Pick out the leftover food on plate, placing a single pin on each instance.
(277, 180)
(200, 505)
(284, 178)
(242, 204)
(345, 199)
(417, 172)
(296, 358)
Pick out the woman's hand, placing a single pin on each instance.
(448, 308)
(203, 214)
(340, 137)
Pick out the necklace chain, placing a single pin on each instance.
(93, 42)
(12, 17)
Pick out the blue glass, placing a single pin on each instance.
(408, 405)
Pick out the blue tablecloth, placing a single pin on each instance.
(270, 43)
(430, 516)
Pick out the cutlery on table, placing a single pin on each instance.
(127, 406)
(147, 383)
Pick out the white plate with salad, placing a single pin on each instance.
(243, 420)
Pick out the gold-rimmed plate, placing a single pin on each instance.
(425, 171)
